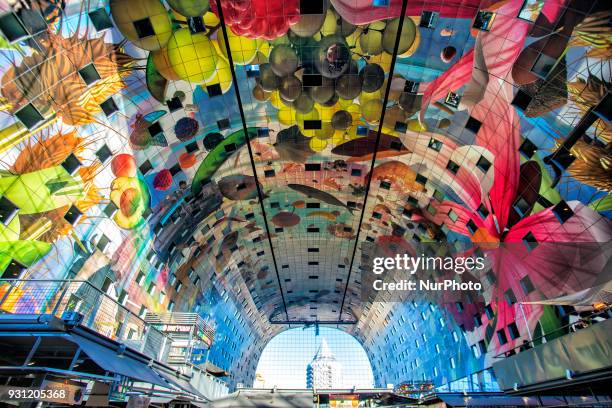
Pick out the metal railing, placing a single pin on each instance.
(100, 312)
(182, 319)
(580, 323)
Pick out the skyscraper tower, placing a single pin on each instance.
(324, 371)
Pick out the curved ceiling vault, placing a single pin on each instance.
(273, 173)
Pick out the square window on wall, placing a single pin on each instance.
(483, 164)
(510, 297)
(100, 19)
(104, 153)
(513, 330)
(71, 164)
(435, 144)
(531, 10)
(543, 65)
(13, 270)
(214, 90)
(452, 99)
(144, 28)
(89, 74)
(438, 195)
(452, 167)
(145, 167)
(501, 336)
(482, 211)
(428, 19)
(400, 127)
(312, 7)
(562, 211)
(530, 241)
(8, 210)
(473, 124)
(29, 116)
(521, 100)
(12, 27)
(174, 104)
(528, 148)
(196, 24)
(73, 215)
(527, 285)
(109, 106)
(483, 20)
(223, 124)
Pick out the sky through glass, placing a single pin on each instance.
(284, 360)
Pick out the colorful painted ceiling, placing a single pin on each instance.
(270, 149)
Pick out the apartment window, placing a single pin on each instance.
(103, 243)
(483, 20)
(223, 124)
(482, 211)
(140, 278)
(144, 28)
(562, 211)
(312, 7)
(528, 148)
(483, 164)
(501, 336)
(29, 116)
(8, 210)
(12, 27)
(73, 215)
(527, 285)
(89, 74)
(489, 312)
(472, 227)
(452, 167)
(513, 330)
(109, 107)
(530, 241)
(312, 166)
(521, 100)
(435, 144)
(510, 297)
(100, 19)
(104, 153)
(543, 65)
(421, 179)
(13, 270)
(428, 19)
(174, 104)
(482, 346)
(452, 99)
(123, 297)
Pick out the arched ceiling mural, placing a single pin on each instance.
(268, 150)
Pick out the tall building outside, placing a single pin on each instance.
(194, 192)
(325, 371)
